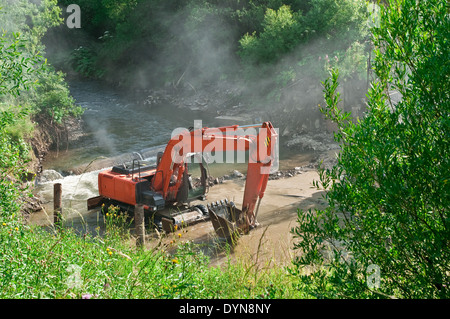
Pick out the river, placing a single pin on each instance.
(115, 129)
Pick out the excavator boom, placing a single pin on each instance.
(258, 139)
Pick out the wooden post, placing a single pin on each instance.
(57, 210)
(139, 225)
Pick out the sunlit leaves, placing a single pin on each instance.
(388, 197)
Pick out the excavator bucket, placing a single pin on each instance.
(226, 218)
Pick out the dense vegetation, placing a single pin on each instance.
(388, 195)
(29, 89)
(199, 42)
(38, 263)
(32, 92)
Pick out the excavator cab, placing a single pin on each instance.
(197, 177)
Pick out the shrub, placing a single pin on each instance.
(388, 194)
(280, 35)
(52, 98)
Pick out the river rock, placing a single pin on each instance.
(315, 142)
(237, 174)
(48, 175)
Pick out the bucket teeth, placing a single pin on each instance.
(224, 216)
(223, 208)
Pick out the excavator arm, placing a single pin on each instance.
(258, 139)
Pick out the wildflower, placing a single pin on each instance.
(4, 224)
(86, 296)
(16, 229)
(176, 227)
(175, 261)
(179, 235)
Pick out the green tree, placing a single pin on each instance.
(52, 99)
(389, 193)
(281, 34)
(16, 66)
(16, 69)
(28, 87)
(23, 51)
(333, 25)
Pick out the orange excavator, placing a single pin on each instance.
(165, 187)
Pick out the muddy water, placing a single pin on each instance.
(116, 130)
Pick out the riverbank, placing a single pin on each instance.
(45, 137)
(287, 191)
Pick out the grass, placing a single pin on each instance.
(62, 263)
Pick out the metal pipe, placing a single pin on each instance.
(257, 208)
(250, 125)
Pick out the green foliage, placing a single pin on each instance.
(16, 66)
(23, 68)
(16, 70)
(117, 223)
(84, 61)
(31, 20)
(64, 264)
(13, 156)
(52, 99)
(284, 30)
(208, 40)
(281, 34)
(304, 42)
(352, 62)
(388, 194)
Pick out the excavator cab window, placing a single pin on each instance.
(197, 176)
